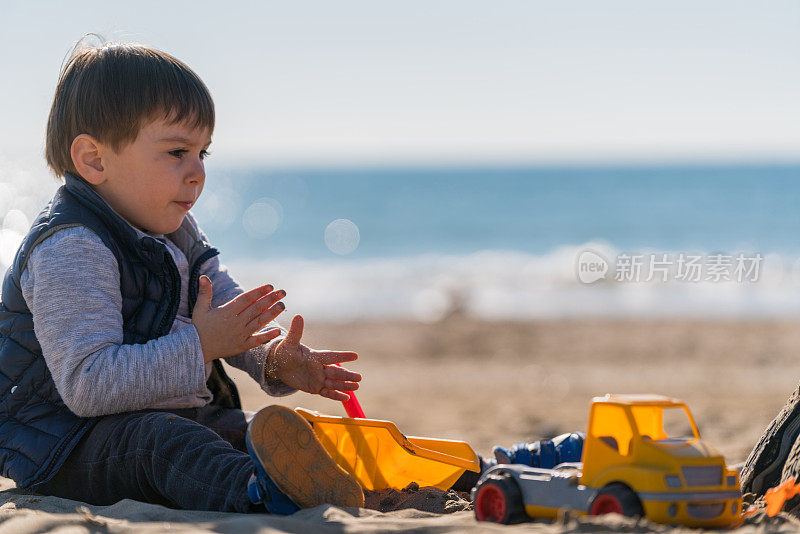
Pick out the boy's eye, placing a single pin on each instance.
(178, 153)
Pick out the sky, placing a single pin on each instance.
(427, 82)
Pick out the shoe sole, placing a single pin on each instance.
(765, 463)
(295, 460)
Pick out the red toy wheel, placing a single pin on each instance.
(606, 504)
(499, 500)
(490, 504)
(616, 499)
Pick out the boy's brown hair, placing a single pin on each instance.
(111, 91)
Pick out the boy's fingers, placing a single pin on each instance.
(295, 332)
(334, 395)
(265, 317)
(338, 385)
(259, 339)
(339, 373)
(335, 356)
(262, 305)
(242, 302)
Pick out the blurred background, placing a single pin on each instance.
(436, 168)
(402, 160)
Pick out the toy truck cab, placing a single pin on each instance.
(642, 456)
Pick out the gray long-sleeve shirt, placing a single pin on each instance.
(71, 285)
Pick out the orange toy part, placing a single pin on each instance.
(376, 454)
(778, 495)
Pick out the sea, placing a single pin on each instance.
(494, 242)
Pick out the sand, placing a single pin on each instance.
(494, 383)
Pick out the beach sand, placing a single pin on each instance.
(495, 383)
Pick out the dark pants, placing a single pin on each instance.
(192, 458)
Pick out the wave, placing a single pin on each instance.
(509, 285)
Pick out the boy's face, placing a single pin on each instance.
(153, 181)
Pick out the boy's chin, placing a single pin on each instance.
(164, 228)
(174, 227)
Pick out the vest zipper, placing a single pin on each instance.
(194, 276)
(169, 317)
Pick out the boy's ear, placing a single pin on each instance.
(86, 154)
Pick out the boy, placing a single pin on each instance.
(116, 312)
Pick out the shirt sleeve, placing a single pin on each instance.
(253, 361)
(71, 285)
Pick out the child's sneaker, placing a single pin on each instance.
(545, 453)
(767, 460)
(292, 468)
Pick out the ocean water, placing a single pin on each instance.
(497, 243)
(462, 211)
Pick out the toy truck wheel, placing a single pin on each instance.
(499, 500)
(616, 499)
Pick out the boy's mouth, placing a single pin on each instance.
(184, 205)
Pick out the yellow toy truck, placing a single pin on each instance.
(642, 457)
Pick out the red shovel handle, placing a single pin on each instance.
(352, 406)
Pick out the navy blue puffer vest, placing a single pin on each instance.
(37, 430)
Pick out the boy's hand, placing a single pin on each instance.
(228, 330)
(312, 370)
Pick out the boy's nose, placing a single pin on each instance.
(197, 174)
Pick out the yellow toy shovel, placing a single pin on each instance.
(379, 456)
